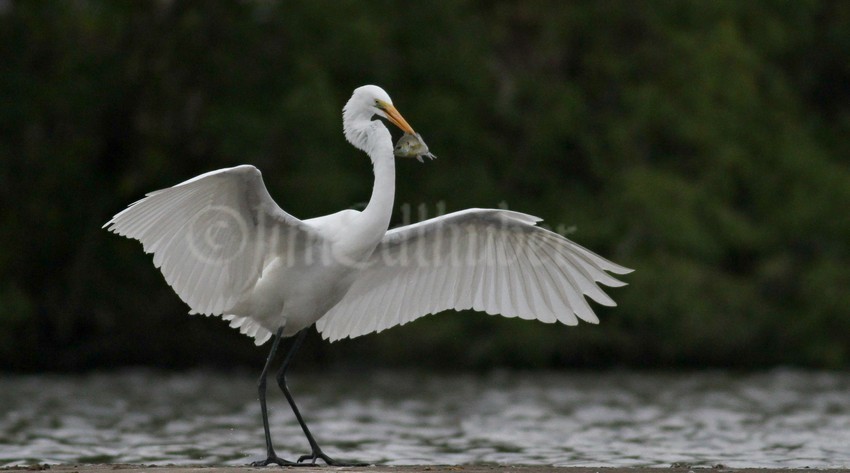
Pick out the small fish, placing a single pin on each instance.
(412, 146)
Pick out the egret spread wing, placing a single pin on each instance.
(212, 235)
(494, 261)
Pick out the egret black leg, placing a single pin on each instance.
(261, 387)
(314, 446)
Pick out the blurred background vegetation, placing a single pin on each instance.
(704, 143)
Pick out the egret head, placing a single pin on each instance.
(370, 100)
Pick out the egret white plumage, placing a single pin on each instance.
(227, 249)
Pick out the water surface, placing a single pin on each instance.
(775, 419)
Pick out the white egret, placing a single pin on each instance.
(227, 249)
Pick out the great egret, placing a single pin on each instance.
(227, 249)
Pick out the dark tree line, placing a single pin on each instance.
(704, 143)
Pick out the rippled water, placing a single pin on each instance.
(775, 419)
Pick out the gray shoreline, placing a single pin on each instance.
(124, 468)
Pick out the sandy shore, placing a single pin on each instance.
(404, 469)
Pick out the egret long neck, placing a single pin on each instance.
(373, 138)
(376, 216)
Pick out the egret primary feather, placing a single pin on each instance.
(227, 249)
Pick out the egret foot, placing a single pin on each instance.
(317, 454)
(273, 460)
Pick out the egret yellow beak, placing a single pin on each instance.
(395, 117)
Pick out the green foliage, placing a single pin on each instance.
(703, 143)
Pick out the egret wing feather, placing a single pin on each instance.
(211, 237)
(494, 261)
